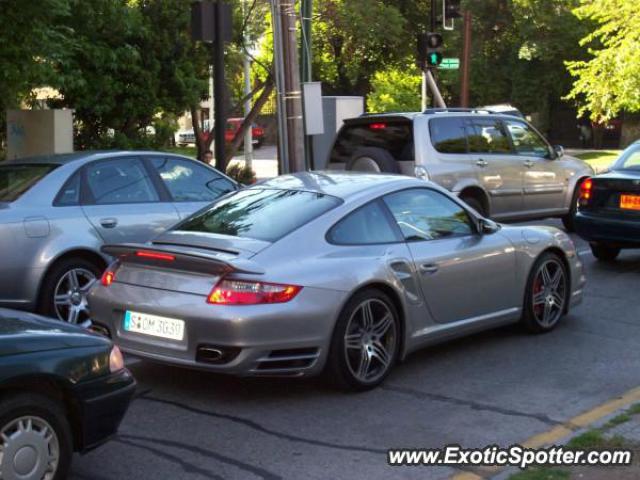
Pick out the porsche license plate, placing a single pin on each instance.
(153, 325)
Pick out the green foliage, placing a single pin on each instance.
(395, 90)
(241, 173)
(30, 37)
(609, 81)
(353, 39)
(126, 62)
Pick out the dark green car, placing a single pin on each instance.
(61, 390)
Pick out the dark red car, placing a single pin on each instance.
(234, 124)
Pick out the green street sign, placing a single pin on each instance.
(450, 64)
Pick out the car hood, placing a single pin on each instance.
(22, 332)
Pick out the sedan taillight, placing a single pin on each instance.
(586, 192)
(242, 292)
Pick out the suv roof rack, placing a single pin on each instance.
(456, 110)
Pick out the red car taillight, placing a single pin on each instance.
(586, 192)
(242, 292)
(108, 277)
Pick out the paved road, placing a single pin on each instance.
(498, 387)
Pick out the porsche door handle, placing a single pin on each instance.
(429, 268)
(529, 163)
(109, 222)
(482, 163)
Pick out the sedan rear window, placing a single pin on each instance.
(629, 160)
(260, 214)
(17, 179)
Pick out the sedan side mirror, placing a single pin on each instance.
(488, 227)
(559, 151)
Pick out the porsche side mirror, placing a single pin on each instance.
(488, 227)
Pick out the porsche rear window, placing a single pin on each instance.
(260, 214)
(17, 179)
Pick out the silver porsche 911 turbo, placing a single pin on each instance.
(345, 273)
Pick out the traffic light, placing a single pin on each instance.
(430, 49)
(451, 9)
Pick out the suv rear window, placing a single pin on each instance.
(17, 179)
(394, 136)
(448, 135)
(260, 214)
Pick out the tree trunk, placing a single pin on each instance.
(248, 121)
(201, 145)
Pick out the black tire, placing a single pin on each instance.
(46, 304)
(569, 219)
(474, 203)
(258, 145)
(604, 252)
(530, 316)
(381, 157)
(13, 407)
(337, 369)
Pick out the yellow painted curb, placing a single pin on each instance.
(560, 431)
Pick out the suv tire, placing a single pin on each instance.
(372, 159)
(474, 203)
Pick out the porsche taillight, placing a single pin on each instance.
(243, 292)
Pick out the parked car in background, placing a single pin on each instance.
(497, 163)
(234, 124)
(57, 211)
(342, 271)
(504, 108)
(187, 137)
(609, 207)
(61, 390)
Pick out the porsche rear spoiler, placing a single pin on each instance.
(181, 258)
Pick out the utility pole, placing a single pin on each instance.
(211, 107)
(292, 88)
(278, 60)
(466, 60)
(248, 136)
(306, 75)
(429, 57)
(220, 113)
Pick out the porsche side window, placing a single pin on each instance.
(424, 214)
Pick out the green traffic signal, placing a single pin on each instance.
(434, 59)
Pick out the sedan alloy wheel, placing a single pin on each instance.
(70, 296)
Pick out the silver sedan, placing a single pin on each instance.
(57, 211)
(342, 272)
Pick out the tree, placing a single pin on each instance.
(395, 90)
(355, 38)
(30, 37)
(609, 81)
(120, 70)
